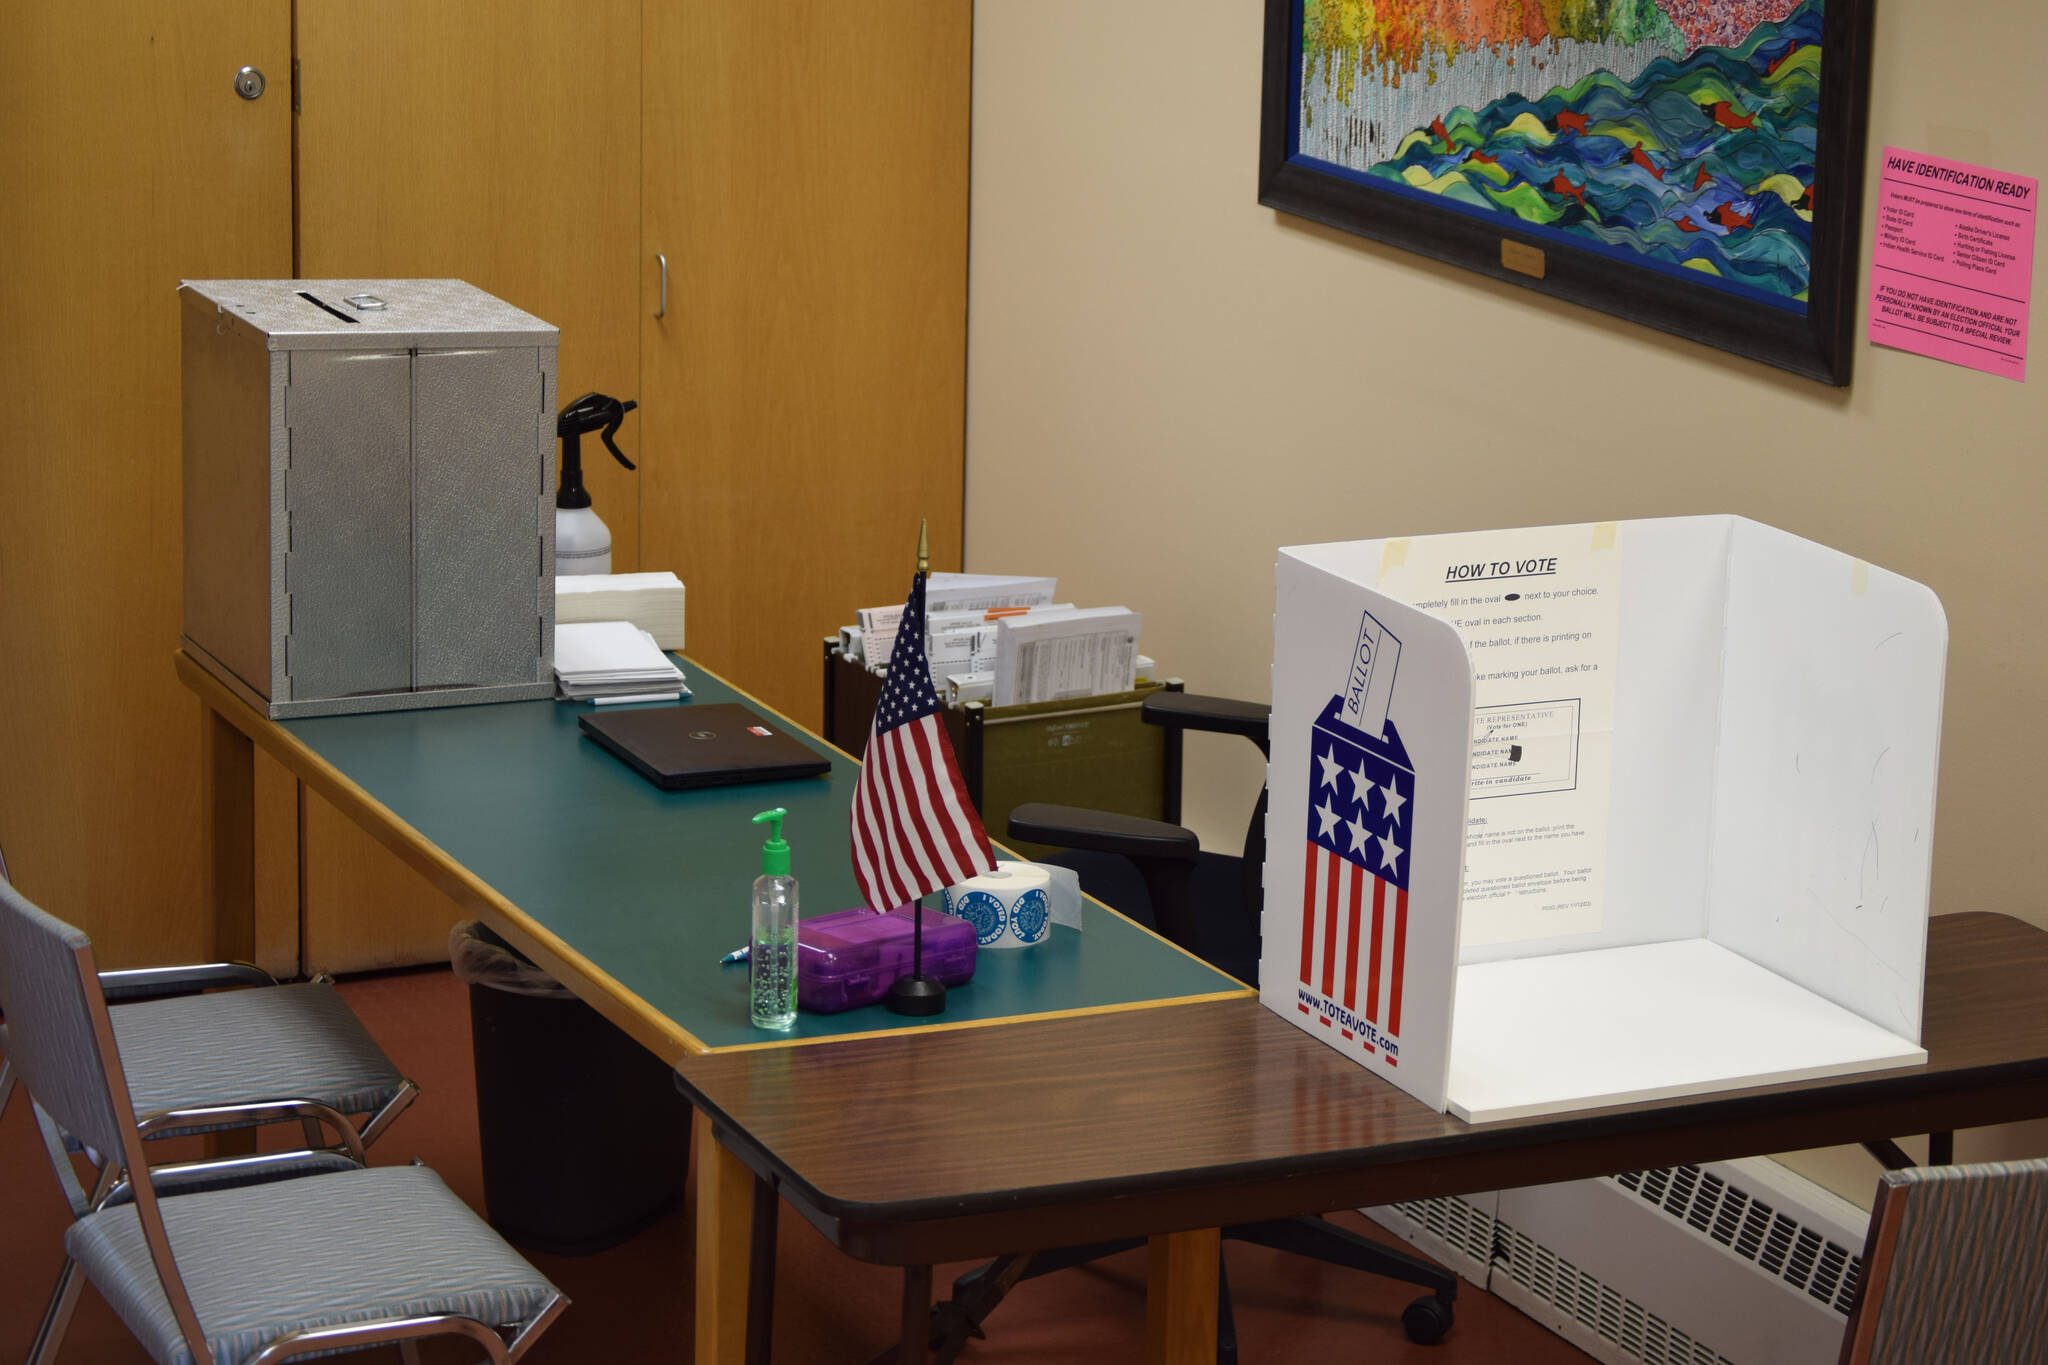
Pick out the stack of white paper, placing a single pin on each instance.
(1052, 656)
(613, 661)
(651, 601)
(951, 592)
(965, 641)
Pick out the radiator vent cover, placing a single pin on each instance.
(1636, 1331)
(1737, 1262)
(1823, 1269)
(1461, 1226)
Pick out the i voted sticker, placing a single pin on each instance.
(985, 913)
(1033, 913)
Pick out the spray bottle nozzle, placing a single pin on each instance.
(774, 853)
(592, 412)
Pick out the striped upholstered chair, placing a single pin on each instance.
(202, 1057)
(250, 1273)
(1956, 1268)
(190, 1043)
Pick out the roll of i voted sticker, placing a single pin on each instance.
(1010, 907)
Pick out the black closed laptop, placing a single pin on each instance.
(715, 745)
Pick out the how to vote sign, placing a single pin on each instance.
(1952, 273)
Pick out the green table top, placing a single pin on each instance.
(652, 887)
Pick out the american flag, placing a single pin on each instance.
(1354, 894)
(914, 830)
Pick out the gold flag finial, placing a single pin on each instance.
(924, 549)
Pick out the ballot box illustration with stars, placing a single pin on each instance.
(1361, 919)
(1354, 886)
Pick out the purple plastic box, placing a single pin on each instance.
(850, 958)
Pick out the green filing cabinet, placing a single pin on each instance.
(1093, 752)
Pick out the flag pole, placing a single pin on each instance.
(918, 994)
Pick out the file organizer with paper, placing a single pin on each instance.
(1095, 752)
(1736, 741)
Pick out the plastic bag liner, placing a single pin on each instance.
(481, 958)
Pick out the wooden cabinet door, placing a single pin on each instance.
(130, 162)
(805, 175)
(496, 141)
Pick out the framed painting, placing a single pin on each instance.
(1691, 165)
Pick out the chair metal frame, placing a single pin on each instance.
(116, 1176)
(136, 984)
(112, 1184)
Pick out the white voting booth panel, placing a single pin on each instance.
(1579, 815)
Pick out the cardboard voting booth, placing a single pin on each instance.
(1581, 815)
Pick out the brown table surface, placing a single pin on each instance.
(915, 1149)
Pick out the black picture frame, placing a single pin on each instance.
(1819, 344)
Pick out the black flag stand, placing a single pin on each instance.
(918, 994)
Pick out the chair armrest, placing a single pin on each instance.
(1163, 854)
(149, 983)
(1217, 715)
(1102, 832)
(254, 1115)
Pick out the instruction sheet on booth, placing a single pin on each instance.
(1540, 612)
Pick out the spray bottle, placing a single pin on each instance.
(771, 960)
(582, 542)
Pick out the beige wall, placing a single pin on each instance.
(1166, 381)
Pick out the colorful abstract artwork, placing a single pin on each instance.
(1684, 147)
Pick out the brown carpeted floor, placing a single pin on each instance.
(632, 1303)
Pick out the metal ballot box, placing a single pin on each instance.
(369, 493)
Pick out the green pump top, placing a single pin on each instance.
(774, 853)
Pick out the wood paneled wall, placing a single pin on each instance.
(806, 177)
(129, 163)
(804, 168)
(496, 141)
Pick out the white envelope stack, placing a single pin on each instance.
(613, 661)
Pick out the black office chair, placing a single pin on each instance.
(1208, 903)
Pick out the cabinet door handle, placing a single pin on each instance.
(662, 311)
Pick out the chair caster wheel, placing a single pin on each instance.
(1426, 1320)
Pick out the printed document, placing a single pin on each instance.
(1540, 611)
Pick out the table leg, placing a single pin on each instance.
(914, 1346)
(761, 1275)
(1180, 1298)
(725, 1215)
(228, 810)
(228, 774)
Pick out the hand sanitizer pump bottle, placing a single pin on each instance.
(582, 542)
(771, 959)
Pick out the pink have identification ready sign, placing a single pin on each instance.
(1951, 273)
